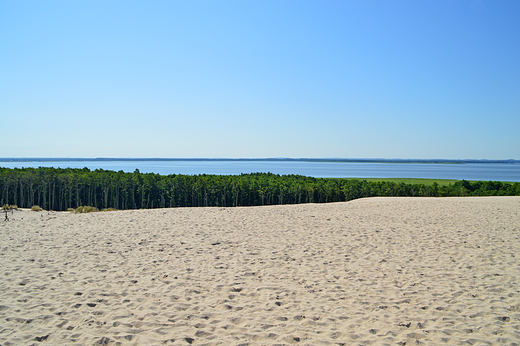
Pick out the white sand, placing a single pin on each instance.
(377, 271)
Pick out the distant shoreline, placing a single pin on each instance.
(105, 159)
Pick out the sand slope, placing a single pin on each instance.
(377, 271)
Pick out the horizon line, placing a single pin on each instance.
(330, 159)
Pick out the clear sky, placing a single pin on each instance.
(350, 79)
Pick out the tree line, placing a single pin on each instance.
(61, 189)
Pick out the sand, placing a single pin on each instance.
(376, 271)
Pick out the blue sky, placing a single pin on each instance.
(351, 79)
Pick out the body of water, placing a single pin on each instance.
(320, 169)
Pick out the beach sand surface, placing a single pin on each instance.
(375, 271)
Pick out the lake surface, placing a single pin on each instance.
(468, 171)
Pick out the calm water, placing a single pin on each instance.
(468, 171)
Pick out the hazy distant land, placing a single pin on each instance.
(360, 160)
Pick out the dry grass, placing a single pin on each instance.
(85, 209)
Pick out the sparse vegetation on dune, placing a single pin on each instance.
(85, 209)
(88, 209)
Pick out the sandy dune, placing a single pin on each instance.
(377, 271)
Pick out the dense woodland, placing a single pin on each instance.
(61, 189)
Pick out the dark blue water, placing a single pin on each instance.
(468, 171)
